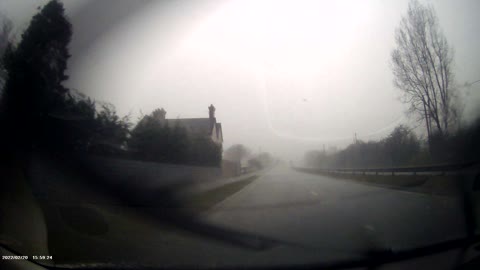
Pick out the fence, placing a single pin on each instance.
(434, 169)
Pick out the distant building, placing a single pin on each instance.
(195, 126)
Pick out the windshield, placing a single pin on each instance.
(213, 134)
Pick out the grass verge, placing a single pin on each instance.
(206, 200)
(446, 185)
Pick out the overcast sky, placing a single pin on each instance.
(285, 76)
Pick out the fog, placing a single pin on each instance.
(284, 76)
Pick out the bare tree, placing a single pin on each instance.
(422, 68)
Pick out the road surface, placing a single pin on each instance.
(311, 219)
(338, 215)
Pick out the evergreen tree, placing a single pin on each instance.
(34, 96)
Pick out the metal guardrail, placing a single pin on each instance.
(413, 170)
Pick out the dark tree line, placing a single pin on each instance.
(461, 145)
(152, 140)
(422, 66)
(403, 148)
(38, 113)
(37, 110)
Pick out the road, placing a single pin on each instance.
(312, 219)
(338, 215)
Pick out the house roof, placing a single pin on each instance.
(193, 125)
(200, 126)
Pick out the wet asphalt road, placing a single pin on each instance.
(338, 215)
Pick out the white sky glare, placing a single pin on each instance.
(285, 76)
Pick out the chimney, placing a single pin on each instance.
(211, 112)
